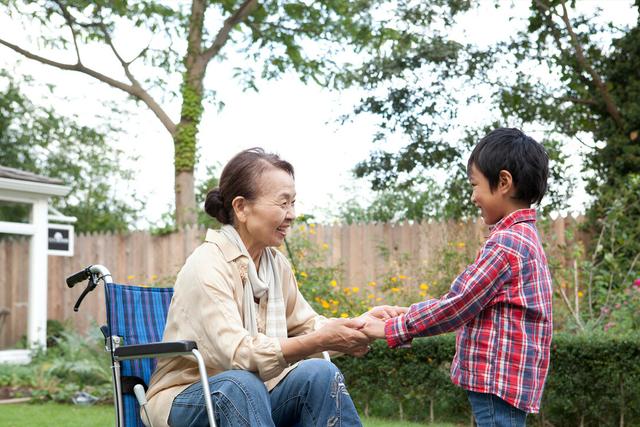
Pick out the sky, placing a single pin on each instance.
(297, 121)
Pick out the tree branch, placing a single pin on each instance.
(70, 21)
(573, 99)
(596, 80)
(612, 109)
(223, 35)
(135, 91)
(123, 63)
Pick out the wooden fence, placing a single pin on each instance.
(362, 251)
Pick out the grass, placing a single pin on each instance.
(379, 422)
(55, 414)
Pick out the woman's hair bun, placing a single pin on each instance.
(214, 206)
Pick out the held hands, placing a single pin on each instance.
(375, 320)
(353, 336)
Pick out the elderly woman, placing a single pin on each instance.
(237, 297)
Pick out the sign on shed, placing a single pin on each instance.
(60, 239)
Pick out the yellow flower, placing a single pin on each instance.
(424, 286)
(580, 294)
(154, 277)
(394, 279)
(325, 304)
(355, 289)
(347, 290)
(402, 277)
(333, 283)
(334, 302)
(303, 274)
(372, 283)
(344, 315)
(301, 228)
(460, 245)
(423, 294)
(334, 311)
(395, 289)
(312, 225)
(379, 299)
(325, 246)
(131, 277)
(371, 296)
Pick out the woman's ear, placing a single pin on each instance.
(239, 205)
(505, 182)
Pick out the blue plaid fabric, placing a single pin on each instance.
(138, 315)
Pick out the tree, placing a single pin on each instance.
(594, 97)
(586, 89)
(38, 140)
(276, 36)
(597, 97)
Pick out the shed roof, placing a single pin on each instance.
(11, 173)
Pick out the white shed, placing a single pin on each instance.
(34, 190)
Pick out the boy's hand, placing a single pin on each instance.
(374, 328)
(384, 312)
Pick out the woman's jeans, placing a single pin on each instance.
(313, 394)
(491, 411)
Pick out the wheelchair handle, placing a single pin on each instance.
(94, 273)
(78, 277)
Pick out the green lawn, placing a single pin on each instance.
(52, 414)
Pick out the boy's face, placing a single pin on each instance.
(492, 204)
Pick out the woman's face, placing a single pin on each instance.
(268, 218)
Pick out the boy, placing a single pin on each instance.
(500, 304)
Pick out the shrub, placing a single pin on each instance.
(75, 363)
(593, 381)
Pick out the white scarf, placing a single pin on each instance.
(265, 282)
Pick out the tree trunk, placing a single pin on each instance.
(184, 140)
(185, 199)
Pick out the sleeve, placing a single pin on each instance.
(469, 294)
(219, 330)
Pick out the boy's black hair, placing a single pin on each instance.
(511, 150)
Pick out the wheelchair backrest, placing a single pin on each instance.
(138, 316)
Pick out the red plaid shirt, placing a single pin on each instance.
(501, 307)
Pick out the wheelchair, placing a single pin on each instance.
(136, 318)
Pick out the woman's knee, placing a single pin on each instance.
(237, 381)
(320, 371)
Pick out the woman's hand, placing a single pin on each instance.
(344, 336)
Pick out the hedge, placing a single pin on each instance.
(594, 380)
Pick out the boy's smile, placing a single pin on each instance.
(497, 203)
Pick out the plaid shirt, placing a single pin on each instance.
(501, 307)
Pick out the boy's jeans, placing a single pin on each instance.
(491, 411)
(313, 394)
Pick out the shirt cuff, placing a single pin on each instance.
(396, 332)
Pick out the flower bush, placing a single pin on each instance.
(325, 288)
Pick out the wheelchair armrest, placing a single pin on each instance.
(156, 349)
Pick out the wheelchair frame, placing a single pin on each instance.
(96, 273)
